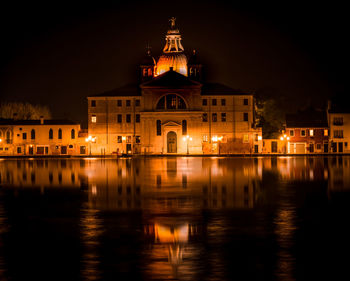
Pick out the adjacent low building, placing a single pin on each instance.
(306, 132)
(339, 125)
(41, 137)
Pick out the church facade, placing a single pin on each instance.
(172, 111)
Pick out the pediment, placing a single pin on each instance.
(171, 123)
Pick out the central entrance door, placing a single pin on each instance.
(172, 142)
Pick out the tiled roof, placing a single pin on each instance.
(128, 90)
(218, 89)
(171, 79)
(37, 122)
(314, 119)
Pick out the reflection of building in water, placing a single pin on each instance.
(174, 184)
(169, 251)
(339, 174)
(42, 172)
(301, 168)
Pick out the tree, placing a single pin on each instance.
(23, 111)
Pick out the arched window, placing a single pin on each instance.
(8, 135)
(159, 128)
(32, 134)
(72, 134)
(59, 134)
(172, 102)
(184, 127)
(150, 72)
(50, 134)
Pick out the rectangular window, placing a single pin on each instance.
(245, 138)
(245, 116)
(325, 133)
(93, 103)
(19, 149)
(205, 117)
(303, 133)
(128, 102)
(120, 139)
(119, 102)
(137, 118)
(205, 138)
(245, 101)
(318, 146)
(204, 102)
(128, 139)
(223, 102)
(119, 118)
(138, 139)
(346, 144)
(338, 121)
(213, 102)
(128, 118)
(338, 134)
(159, 127)
(137, 103)
(24, 136)
(214, 117)
(93, 119)
(311, 133)
(291, 133)
(223, 117)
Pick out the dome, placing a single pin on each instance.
(178, 61)
(148, 60)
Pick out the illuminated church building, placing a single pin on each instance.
(172, 111)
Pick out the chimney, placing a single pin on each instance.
(41, 120)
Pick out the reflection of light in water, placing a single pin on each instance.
(91, 229)
(285, 228)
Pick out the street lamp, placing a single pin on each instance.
(90, 139)
(284, 138)
(187, 139)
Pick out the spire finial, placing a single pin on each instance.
(148, 48)
(172, 22)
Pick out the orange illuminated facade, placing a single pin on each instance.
(173, 111)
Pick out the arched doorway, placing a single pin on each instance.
(172, 142)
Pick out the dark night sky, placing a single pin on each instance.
(57, 54)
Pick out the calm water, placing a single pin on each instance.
(175, 219)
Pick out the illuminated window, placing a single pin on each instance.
(144, 72)
(119, 118)
(93, 118)
(204, 102)
(303, 133)
(59, 134)
(205, 138)
(137, 118)
(311, 133)
(245, 101)
(205, 117)
(128, 118)
(150, 72)
(325, 132)
(137, 102)
(291, 133)
(223, 117)
(214, 117)
(245, 138)
(93, 103)
(223, 102)
(213, 102)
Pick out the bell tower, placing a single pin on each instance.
(194, 67)
(147, 66)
